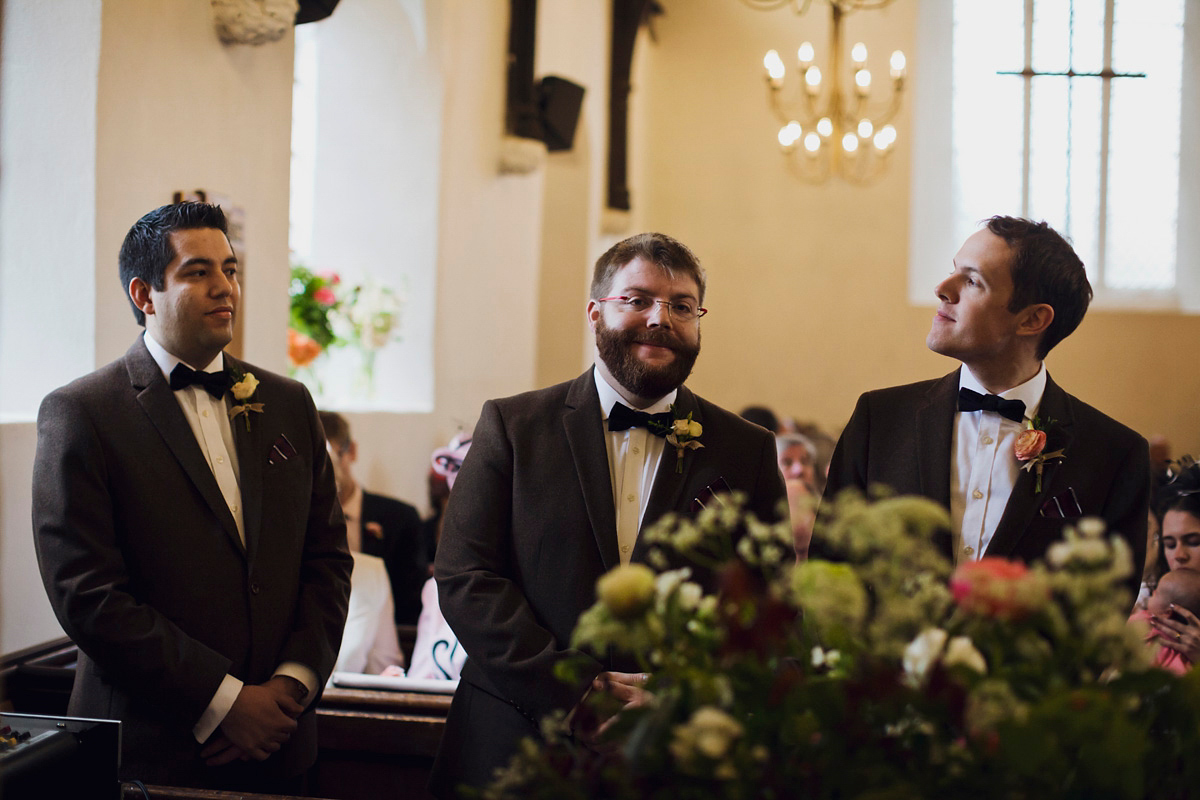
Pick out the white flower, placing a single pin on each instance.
(689, 596)
(710, 733)
(1092, 527)
(245, 387)
(921, 653)
(961, 652)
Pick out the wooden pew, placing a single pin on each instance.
(371, 744)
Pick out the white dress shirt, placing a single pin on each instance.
(633, 458)
(983, 469)
(208, 418)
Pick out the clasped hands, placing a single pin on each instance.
(625, 687)
(260, 721)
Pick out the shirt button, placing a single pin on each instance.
(233, 509)
(204, 413)
(636, 450)
(631, 497)
(624, 548)
(978, 495)
(968, 550)
(220, 459)
(987, 440)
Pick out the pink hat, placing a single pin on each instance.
(447, 460)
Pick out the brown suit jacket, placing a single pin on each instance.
(901, 437)
(145, 570)
(529, 529)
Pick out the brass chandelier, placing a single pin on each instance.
(827, 130)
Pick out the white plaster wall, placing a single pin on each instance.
(50, 54)
(378, 141)
(173, 109)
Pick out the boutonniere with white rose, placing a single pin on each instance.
(243, 389)
(682, 434)
(1029, 448)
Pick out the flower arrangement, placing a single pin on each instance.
(889, 674)
(327, 313)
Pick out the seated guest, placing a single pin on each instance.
(1176, 601)
(437, 654)
(1179, 516)
(824, 444)
(797, 458)
(369, 642)
(378, 525)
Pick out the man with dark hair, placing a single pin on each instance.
(377, 525)
(188, 530)
(555, 491)
(1011, 455)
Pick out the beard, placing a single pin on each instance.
(616, 351)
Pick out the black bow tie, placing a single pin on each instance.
(215, 383)
(974, 401)
(622, 417)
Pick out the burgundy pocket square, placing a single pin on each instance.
(281, 451)
(1062, 506)
(711, 495)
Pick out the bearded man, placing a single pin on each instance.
(555, 491)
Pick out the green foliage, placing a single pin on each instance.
(881, 677)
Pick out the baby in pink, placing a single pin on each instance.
(1179, 587)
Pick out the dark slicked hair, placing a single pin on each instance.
(147, 249)
(659, 249)
(1045, 269)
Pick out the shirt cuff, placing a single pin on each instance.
(218, 707)
(294, 669)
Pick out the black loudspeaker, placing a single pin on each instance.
(559, 101)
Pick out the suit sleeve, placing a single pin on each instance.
(848, 466)
(478, 588)
(769, 502)
(325, 567)
(1128, 506)
(86, 576)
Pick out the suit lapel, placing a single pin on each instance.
(159, 403)
(935, 432)
(250, 468)
(585, 436)
(1025, 502)
(668, 484)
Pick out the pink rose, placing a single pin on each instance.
(325, 296)
(1029, 444)
(997, 587)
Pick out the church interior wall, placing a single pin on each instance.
(807, 284)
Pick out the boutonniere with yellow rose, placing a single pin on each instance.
(244, 387)
(682, 434)
(1029, 448)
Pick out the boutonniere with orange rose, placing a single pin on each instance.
(682, 434)
(244, 387)
(1029, 448)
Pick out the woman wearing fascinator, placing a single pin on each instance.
(1177, 506)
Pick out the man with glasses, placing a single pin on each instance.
(556, 489)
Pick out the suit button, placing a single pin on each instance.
(254, 588)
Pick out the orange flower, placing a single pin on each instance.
(1030, 444)
(301, 349)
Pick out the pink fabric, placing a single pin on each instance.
(1165, 657)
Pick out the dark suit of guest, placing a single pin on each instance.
(530, 528)
(144, 566)
(901, 437)
(391, 530)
